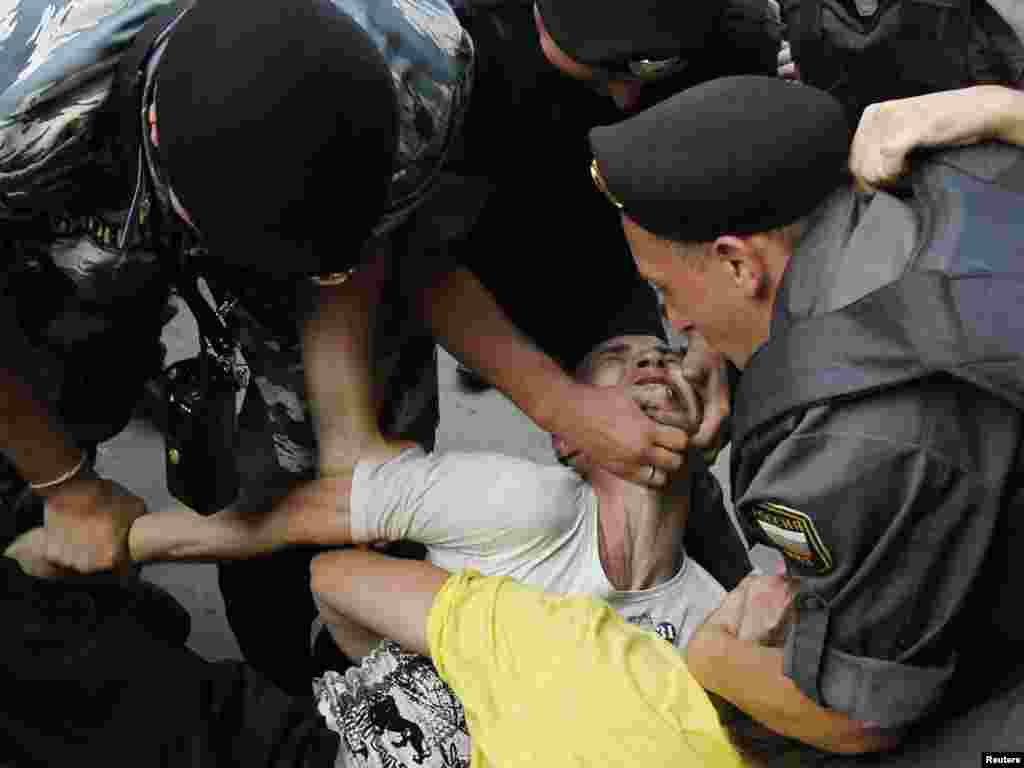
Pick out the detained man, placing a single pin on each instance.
(578, 532)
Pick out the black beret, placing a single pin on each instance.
(278, 121)
(612, 31)
(736, 155)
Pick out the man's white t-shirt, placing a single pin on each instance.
(508, 516)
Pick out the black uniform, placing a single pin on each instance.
(547, 245)
(866, 51)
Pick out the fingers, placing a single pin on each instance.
(729, 613)
(786, 67)
(768, 609)
(668, 438)
(878, 154)
(708, 435)
(650, 476)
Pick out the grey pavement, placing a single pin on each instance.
(486, 421)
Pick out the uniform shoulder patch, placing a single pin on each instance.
(793, 533)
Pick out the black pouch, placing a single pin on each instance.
(200, 439)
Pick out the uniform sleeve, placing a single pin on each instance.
(883, 508)
(555, 680)
(476, 503)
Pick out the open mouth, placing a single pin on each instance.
(659, 386)
(656, 394)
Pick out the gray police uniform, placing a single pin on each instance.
(888, 505)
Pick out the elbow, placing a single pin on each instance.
(860, 738)
(327, 574)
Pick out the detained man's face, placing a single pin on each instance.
(651, 372)
(695, 288)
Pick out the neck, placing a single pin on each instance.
(640, 529)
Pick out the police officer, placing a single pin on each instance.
(914, 74)
(547, 72)
(873, 449)
(158, 141)
(867, 51)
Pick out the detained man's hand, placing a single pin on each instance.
(607, 427)
(705, 369)
(87, 522)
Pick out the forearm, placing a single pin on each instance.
(751, 677)
(180, 534)
(466, 320)
(337, 355)
(314, 514)
(30, 435)
(968, 116)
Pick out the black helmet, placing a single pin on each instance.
(293, 130)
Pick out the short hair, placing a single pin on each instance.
(791, 233)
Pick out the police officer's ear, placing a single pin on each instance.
(745, 264)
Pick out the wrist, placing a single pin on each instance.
(1005, 110)
(82, 484)
(550, 395)
(706, 653)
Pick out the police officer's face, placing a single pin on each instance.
(652, 373)
(697, 289)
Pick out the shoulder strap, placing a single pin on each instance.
(126, 99)
(970, 326)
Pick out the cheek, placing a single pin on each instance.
(608, 374)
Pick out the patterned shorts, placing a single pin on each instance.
(394, 711)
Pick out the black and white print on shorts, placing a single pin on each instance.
(394, 711)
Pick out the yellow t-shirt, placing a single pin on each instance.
(559, 681)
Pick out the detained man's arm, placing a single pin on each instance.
(890, 130)
(736, 654)
(314, 514)
(604, 423)
(336, 351)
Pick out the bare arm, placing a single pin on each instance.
(336, 349)
(337, 356)
(890, 130)
(30, 435)
(87, 517)
(605, 424)
(735, 654)
(389, 596)
(314, 514)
